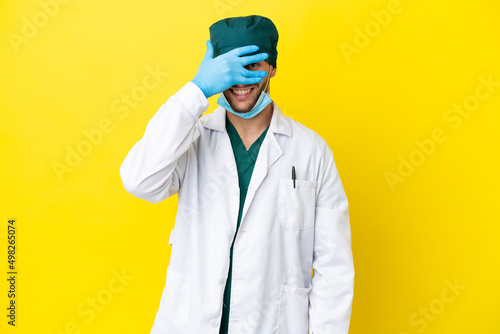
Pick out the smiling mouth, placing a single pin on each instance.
(241, 93)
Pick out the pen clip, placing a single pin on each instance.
(293, 176)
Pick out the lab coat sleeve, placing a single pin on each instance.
(154, 168)
(332, 291)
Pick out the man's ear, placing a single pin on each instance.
(273, 71)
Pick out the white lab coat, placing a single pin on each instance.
(285, 232)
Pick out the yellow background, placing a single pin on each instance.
(77, 230)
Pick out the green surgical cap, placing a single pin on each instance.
(234, 32)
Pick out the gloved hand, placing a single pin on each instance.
(215, 75)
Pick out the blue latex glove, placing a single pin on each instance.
(215, 75)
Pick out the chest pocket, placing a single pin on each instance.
(296, 206)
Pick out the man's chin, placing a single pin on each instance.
(242, 111)
(240, 108)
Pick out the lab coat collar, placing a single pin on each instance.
(217, 121)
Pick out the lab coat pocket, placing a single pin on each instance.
(172, 316)
(296, 206)
(294, 310)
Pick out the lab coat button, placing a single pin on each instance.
(214, 323)
(230, 233)
(222, 280)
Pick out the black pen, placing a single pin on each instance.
(293, 176)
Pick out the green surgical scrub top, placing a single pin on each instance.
(245, 162)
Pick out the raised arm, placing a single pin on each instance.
(154, 168)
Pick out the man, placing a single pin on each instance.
(261, 204)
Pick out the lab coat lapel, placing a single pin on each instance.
(270, 151)
(217, 121)
(225, 153)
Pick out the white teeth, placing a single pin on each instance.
(241, 91)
